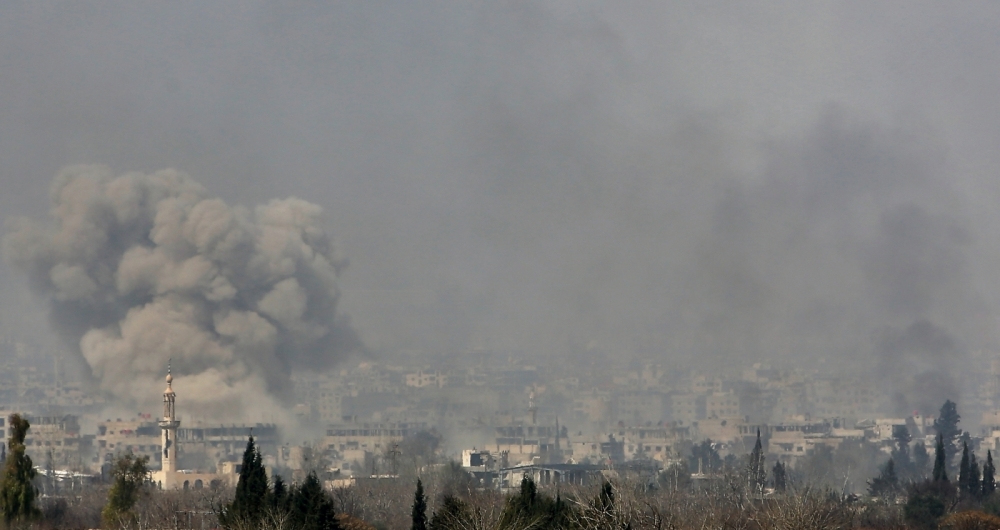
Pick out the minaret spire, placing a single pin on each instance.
(168, 426)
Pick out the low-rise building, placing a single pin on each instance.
(641, 407)
(139, 436)
(369, 436)
(56, 442)
(687, 408)
(421, 379)
(722, 405)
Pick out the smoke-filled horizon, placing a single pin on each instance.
(708, 185)
(139, 270)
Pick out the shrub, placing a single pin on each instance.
(970, 520)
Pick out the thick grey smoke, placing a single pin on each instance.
(696, 184)
(139, 269)
(920, 362)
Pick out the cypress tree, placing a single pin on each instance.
(901, 453)
(778, 473)
(940, 474)
(559, 516)
(311, 507)
(251, 491)
(887, 483)
(946, 426)
(989, 483)
(975, 484)
(527, 509)
(757, 473)
(963, 471)
(278, 496)
(607, 497)
(526, 497)
(17, 495)
(419, 512)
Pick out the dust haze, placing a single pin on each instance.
(707, 186)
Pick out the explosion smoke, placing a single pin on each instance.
(141, 268)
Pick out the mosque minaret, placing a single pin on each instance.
(169, 476)
(168, 427)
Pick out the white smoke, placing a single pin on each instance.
(139, 269)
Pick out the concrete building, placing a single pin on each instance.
(641, 407)
(140, 436)
(722, 405)
(649, 441)
(56, 442)
(369, 436)
(593, 406)
(205, 444)
(527, 443)
(550, 474)
(687, 408)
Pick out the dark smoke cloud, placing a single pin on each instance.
(138, 269)
(920, 362)
(699, 184)
(712, 247)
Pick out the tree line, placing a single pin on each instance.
(912, 489)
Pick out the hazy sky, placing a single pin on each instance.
(682, 180)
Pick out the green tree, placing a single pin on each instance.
(675, 478)
(946, 426)
(311, 507)
(527, 495)
(975, 483)
(929, 499)
(606, 499)
(887, 483)
(780, 477)
(921, 458)
(251, 496)
(923, 511)
(561, 515)
(418, 515)
(453, 514)
(278, 498)
(455, 479)
(130, 475)
(901, 453)
(964, 476)
(756, 472)
(531, 509)
(818, 468)
(940, 473)
(704, 458)
(526, 506)
(17, 495)
(989, 481)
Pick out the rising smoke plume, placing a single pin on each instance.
(139, 269)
